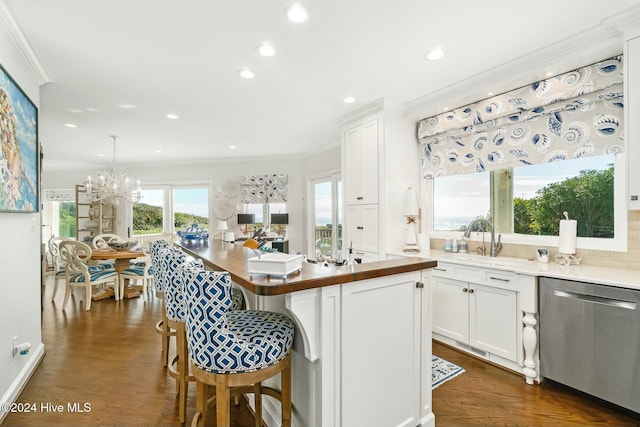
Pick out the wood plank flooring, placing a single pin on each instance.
(110, 358)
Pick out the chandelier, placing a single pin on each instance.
(112, 184)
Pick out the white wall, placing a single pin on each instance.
(214, 173)
(19, 263)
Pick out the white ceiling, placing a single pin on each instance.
(181, 57)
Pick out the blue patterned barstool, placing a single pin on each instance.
(171, 262)
(234, 349)
(162, 327)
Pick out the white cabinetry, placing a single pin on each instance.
(361, 168)
(632, 125)
(477, 308)
(362, 228)
(361, 145)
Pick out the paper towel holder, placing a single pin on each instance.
(570, 226)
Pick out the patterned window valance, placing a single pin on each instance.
(263, 188)
(64, 195)
(573, 115)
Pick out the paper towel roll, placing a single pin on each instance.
(568, 236)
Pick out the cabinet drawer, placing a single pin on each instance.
(500, 279)
(444, 270)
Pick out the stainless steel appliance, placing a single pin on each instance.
(590, 339)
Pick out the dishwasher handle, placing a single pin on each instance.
(629, 305)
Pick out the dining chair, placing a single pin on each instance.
(78, 274)
(234, 349)
(139, 269)
(59, 272)
(101, 241)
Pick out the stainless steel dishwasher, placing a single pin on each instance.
(590, 339)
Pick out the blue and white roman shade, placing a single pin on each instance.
(263, 188)
(572, 115)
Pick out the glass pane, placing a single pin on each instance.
(582, 187)
(459, 199)
(190, 206)
(148, 213)
(67, 215)
(257, 210)
(322, 219)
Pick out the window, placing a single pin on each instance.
(326, 237)
(170, 208)
(529, 201)
(59, 219)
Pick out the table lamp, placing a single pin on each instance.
(246, 219)
(411, 211)
(280, 220)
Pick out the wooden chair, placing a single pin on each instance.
(79, 274)
(140, 269)
(234, 349)
(101, 241)
(59, 272)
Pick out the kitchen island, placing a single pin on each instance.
(362, 351)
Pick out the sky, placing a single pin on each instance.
(468, 195)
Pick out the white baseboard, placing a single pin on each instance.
(21, 380)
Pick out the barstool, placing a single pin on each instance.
(234, 349)
(162, 327)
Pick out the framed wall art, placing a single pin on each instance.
(19, 154)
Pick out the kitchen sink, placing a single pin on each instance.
(486, 260)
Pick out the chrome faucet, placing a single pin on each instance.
(496, 247)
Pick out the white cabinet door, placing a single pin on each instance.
(492, 323)
(361, 163)
(362, 227)
(450, 305)
(632, 109)
(381, 352)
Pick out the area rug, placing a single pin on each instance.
(442, 371)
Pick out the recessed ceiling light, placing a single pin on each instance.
(100, 154)
(158, 151)
(297, 13)
(126, 106)
(490, 93)
(445, 109)
(246, 73)
(75, 110)
(349, 100)
(549, 74)
(265, 49)
(233, 147)
(71, 125)
(172, 116)
(93, 109)
(435, 54)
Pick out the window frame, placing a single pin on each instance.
(617, 244)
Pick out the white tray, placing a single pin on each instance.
(275, 263)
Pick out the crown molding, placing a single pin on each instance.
(21, 42)
(595, 44)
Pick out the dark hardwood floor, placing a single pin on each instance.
(110, 359)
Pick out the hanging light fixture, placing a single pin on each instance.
(113, 184)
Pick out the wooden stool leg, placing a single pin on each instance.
(285, 380)
(223, 407)
(165, 335)
(201, 404)
(183, 370)
(257, 394)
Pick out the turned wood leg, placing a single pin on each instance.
(530, 342)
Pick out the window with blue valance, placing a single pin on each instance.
(263, 188)
(572, 115)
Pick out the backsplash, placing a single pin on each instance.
(629, 259)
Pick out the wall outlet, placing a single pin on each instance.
(14, 346)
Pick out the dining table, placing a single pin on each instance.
(122, 260)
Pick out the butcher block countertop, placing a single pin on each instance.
(223, 256)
